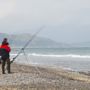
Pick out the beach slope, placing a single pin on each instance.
(30, 77)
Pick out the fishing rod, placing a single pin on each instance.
(23, 48)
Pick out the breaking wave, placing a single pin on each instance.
(58, 56)
(67, 55)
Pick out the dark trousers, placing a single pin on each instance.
(8, 65)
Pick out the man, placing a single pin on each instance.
(5, 57)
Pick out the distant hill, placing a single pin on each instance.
(19, 40)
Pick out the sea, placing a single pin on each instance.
(75, 59)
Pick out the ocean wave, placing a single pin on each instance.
(58, 56)
(67, 55)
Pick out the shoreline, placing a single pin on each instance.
(28, 77)
(86, 72)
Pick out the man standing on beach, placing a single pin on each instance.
(5, 57)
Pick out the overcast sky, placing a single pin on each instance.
(64, 20)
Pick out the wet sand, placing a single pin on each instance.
(30, 77)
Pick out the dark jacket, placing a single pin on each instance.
(4, 52)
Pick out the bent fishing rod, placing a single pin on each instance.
(23, 48)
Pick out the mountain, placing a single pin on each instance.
(19, 40)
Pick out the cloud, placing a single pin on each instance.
(6, 7)
(59, 16)
(77, 12)
(49, 12)
(42, 11)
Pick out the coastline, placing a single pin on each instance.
(28, 77)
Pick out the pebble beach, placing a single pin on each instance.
(28, 77)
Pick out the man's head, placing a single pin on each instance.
(5, 42)
(5, 39)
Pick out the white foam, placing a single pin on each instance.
(67, 55)
(58, 56)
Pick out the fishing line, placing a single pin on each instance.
(22, 49)
(27, 44)
(26, 56)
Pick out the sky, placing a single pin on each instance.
(65, 21)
